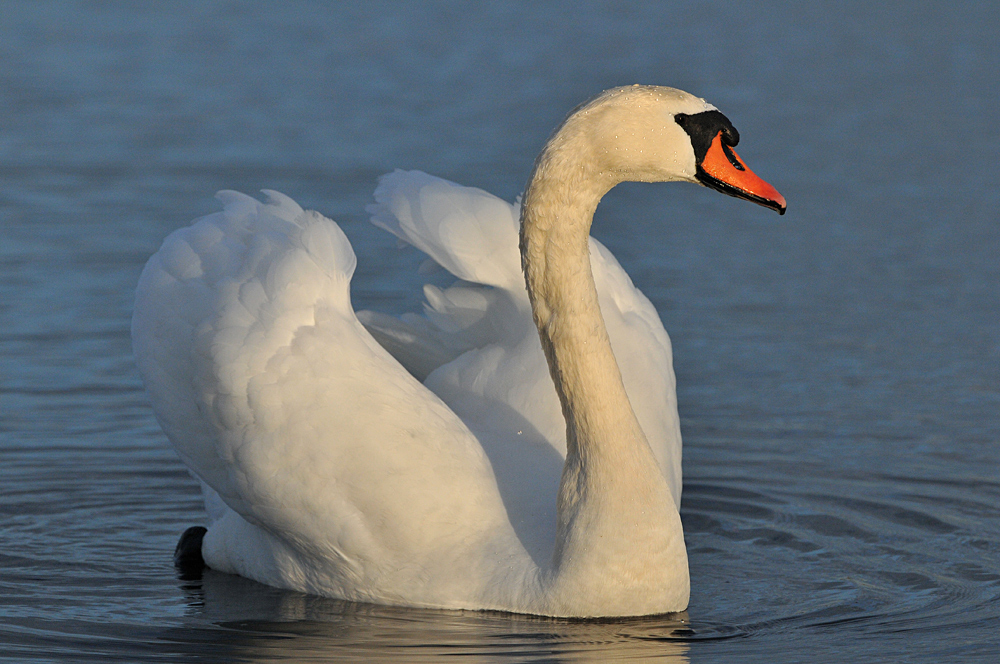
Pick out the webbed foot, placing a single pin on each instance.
(187, 555)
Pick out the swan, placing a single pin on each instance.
(516, 447)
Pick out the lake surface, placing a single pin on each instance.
(838, 368)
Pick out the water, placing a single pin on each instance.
(838, 368)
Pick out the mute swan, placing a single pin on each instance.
(329, 468)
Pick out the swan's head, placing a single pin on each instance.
(655, 134)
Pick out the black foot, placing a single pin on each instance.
(187, 555)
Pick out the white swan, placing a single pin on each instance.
(329, 468)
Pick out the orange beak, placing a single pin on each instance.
(724, 171)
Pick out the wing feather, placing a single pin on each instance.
(496, 361)
(282, 403)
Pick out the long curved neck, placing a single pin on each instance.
(558, 209)
(618, 531)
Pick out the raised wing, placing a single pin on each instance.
(362, 483)
(476, 343)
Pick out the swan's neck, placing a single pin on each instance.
(558, 210)
(618, 529)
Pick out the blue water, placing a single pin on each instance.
(838, 368)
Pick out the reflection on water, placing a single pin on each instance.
(838, 369)
(261, 624)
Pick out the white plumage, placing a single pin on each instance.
(329, 468)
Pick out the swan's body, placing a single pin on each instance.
(329, 468)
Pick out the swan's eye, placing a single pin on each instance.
(703, 127)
